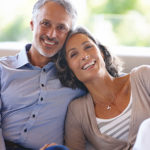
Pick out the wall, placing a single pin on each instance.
(131, 57)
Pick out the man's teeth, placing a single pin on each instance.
(51, 43)
(88, 65)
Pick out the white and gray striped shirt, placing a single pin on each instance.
(117, 127)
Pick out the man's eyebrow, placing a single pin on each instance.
(64, 24)
(44, 20)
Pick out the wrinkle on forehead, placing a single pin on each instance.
(55, 13)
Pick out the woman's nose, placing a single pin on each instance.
(85, 57)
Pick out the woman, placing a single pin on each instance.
(108, 117)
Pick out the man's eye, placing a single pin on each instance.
(62, 28)
(45, 23)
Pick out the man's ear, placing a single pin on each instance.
(32, 25)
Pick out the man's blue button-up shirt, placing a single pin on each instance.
(33, 103)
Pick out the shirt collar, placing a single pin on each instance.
(22, 58)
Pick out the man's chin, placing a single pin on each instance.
(48, 55)
(48, 51)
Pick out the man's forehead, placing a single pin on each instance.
(54, 7)
(55, 13)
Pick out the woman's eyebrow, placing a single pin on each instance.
(85, 42)
(71, 49)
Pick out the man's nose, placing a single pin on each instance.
(52, 33)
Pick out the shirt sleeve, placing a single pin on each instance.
(146, 77)
(141, 75)
(2, 144)
(74, 136)
(144, 73)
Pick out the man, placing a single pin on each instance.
(33, 103)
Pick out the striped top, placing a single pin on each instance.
(117, 127)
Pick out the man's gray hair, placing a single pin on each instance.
(67, 4)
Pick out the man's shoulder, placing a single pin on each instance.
(14, 60)
(7, 60)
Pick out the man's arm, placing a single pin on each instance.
(2, 144)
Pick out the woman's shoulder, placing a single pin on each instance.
(80, 106)
(80, 100)
(141, 75)
(141, 70)
(80, 103)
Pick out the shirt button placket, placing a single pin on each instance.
(25, 130)
(33, 116)
(44, 70)
(41, 99)
(42, 85)
(42, 82)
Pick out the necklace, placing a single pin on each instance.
(108, 107)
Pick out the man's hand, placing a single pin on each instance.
(47, 145)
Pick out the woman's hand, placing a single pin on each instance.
(47, 145)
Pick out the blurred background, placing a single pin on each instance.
(121, 25)
(116, 23)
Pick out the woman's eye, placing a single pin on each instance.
(88, 46)
(73, 54)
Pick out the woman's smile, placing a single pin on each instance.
(89, 65)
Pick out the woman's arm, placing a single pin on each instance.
(74, 136)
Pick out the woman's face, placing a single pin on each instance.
(84, 57)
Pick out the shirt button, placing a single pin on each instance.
(42, 85)
(25, 130)
(33, 115)
(44, 70)
(41, 98)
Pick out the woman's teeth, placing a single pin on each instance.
(88, 65)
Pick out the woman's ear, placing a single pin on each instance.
(102, 54)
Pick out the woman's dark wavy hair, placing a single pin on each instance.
(65, 74)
